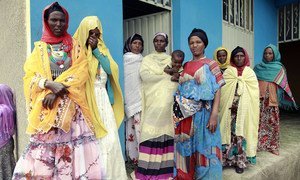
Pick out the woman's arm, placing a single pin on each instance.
(103, 60)
(213, 120)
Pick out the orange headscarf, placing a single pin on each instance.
(48, 36)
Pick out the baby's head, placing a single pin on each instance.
(177, 59)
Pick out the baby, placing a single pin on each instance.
(177, 60)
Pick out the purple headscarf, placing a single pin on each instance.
(7, 114)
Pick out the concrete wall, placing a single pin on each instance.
(189, 14)
(13, 50)
(265, 26)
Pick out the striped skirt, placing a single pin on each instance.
(156, 158)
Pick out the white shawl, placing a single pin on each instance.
(248, 109)
(157, 97)
(132, 83)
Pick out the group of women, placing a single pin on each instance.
(218, 114)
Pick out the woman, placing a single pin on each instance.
(156, 149)
(274, 93)
(239, 112)
(133, 50)
(104, 75)
(222, 57)
(7, 129)
(63, 131)
(197, 133)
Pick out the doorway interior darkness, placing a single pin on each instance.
(290, 55)
(135, 8)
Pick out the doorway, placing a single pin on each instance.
(146, 18)
(290, 59)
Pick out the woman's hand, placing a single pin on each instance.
(212, 123)
(93, 42)
(213, 119)
(168, 70)
(58, 89)
(49, 101)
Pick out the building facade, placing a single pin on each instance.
(252, 24)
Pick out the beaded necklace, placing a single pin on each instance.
(57, 55)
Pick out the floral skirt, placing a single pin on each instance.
(61, 155)
(268, 133)
(133, 134)
(234, 154)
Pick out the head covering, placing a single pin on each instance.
(48, 36)
(199, 33)
(7, 96)
(130, 40)
(246, 62)
(81, 34)
(54, 7)
(162, 34)
(7, 114)
(227, 62)
(274, 71)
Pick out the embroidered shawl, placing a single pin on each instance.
(157, 97)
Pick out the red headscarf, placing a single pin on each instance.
(49, 37)
(246, 62)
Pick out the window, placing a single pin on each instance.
(288, 23)
(239, 13)
(225, 13)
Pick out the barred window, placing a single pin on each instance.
(238, 13)
(288, 23)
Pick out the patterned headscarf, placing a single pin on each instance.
(246, 62)
(130, 40)
(274, 71)
(48, 36)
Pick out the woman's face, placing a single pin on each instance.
(57, 23)
(95, 33)
(196, 46)
(239, 59)
(136, 46)
(222, 56)
(268, 54)
(160, 43)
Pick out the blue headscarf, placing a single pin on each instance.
(274, 71)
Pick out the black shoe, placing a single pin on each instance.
(239, 170)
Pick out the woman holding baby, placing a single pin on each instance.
(195, 111)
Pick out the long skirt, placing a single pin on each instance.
(234, 154)
(156, 158)
(198, 151)
(112, 161)
(60, 155)
(133, 134)
(268, 133)
(7, 160)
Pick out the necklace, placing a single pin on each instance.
(57, 55)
